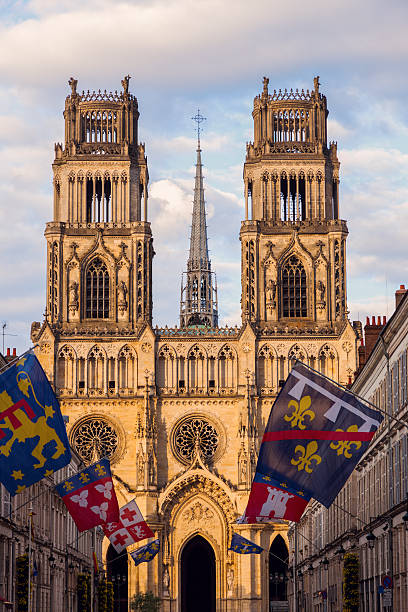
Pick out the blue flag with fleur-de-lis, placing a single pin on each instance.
(146, 553)
(33, 439)
(242, 546)
(316, 434)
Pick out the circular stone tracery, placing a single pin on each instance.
(195, 430)
(94, 438)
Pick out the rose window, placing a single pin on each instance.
(192, 432)
(95, 438)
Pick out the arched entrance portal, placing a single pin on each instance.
(198, 576)
(118, 574)
(278, 560)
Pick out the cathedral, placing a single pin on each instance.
(180, 410)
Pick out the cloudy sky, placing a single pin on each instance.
(211, 54)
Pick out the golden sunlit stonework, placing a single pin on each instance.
(180, 411)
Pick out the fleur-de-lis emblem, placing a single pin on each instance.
(306, 456)
(301, 410)
(343, 447)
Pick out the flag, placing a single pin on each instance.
(146, 553)
(90, 496)
(33, 439)
(316, 434)
(243, 546)
(271, 499)
(95, 562)
(131, 527)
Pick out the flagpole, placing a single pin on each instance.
(93, 569)
(30, 520)
(363, 399)
(295, 593)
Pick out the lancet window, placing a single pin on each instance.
(66, 369)
(100, 126)
(294, 291)
(290, 126)
(53, 269)
(96, 369)
(97, 290)
(328, 361)
(265, 365)
(226, 361)
(126, 369)
(196, 369)
(167, 369)
(293, 197)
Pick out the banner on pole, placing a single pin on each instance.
(33, 439)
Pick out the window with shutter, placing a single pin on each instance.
(404, 466)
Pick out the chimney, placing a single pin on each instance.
(8, 352)
(371, 332)
(399, 294)
(14, 352)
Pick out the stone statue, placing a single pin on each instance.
(243, 470)
(73, 302)
(122, 293)
(166, 581)
(316, 84)
(73, 84)
(151, 470)
(265, 85)
(322, 290)
(270, 291)
(125, 84)
(230, 581)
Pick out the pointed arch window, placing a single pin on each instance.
(294, 291)
(97, 290)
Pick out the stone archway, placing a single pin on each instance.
(198, 576)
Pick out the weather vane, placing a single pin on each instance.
(198, 119)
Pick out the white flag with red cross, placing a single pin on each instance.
(131, 527)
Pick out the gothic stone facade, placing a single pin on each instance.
(180, 411)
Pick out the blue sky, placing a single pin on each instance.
(186, 54)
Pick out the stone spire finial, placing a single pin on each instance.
(316, 84)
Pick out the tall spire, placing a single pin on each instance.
(198, 304)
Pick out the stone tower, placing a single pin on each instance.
(198, 304)
(293, 242)
(99, 245)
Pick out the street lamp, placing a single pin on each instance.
(325, 563)
(310, 569)
(371, 540)
(341, 552)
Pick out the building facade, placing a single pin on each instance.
(374, 500)
(180, 410)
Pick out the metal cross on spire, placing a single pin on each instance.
(198, 119)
